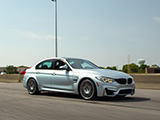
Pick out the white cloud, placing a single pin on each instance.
(35, 36)
(156, 18)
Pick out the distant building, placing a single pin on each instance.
(153, 69)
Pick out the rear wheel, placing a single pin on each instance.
(32, 87)
(87, 89)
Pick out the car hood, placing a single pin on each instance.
(105, 72)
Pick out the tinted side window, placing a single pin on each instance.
(58, 64)
(45, 65)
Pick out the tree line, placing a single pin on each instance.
(131, 68)
(10, 69)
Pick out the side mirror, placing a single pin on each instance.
(64, 68)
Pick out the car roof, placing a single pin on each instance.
(62, 58)
(72, 58)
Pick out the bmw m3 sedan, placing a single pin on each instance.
(77, 76)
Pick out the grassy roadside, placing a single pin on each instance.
(11, 78)
(10, 81)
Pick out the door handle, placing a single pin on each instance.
(53, 73)
(37, 72)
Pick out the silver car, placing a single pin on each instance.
(77, 76)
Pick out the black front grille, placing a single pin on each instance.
(129, 80)
(121, 81)
(128, 91)
(124, 81)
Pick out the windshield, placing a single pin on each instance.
(81, 64)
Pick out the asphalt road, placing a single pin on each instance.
(17, 104)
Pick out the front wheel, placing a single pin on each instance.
(87, 89)
(32, 87)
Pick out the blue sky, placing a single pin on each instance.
(103, 31)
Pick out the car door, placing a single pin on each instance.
(61, 79)
(44, 72)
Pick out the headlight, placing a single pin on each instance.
(105, 79)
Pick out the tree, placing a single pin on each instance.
(142, 68)
(22, 66)
(112, 68)
(11, 69)
(101, 67)
(125, 68)
(133, 68)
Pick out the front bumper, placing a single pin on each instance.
(120, 92)
(114, 89)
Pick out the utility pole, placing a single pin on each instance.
(56, 51)
(128, 63)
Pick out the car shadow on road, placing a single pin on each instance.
(99, 99)
(60, 95)
(124, 99)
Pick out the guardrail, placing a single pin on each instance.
(147, 78)
(147, 81)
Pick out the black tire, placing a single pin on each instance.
(87, 90)
(32, 87)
